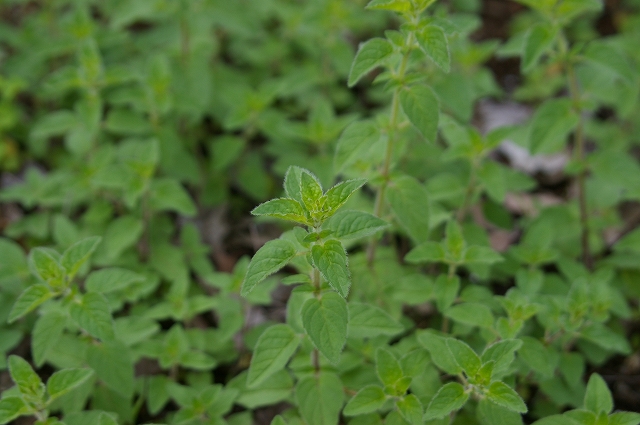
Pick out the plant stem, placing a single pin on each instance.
(579, 155)
(391, 135)
(462, 212)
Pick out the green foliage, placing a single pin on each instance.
(409, 270)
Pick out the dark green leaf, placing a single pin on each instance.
(320, 398)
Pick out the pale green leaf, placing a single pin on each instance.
(350, 224)
(538, 40)
(46, 332)
(502, 353)
(111, 279)
(367, 400)
(284, 208)
(464, 355)
(30, 299)
(273, 256)
(310, 190)
(598, 398)
(113, 364)
(505, 396)
(410, 204)
(11, 408)
(400, 6)
(320, 398)
(440, 354)
(624, 418)
(169, 195)
(410, 408)
(77, 254)
(371, 54)
(27, 380)
(292, 183)
(273, 350)
(552, 123)
(331, 259)
(340, 193)
(421, 106)
(449, 397)
(433, 42)
(65, 380)
(489, 413)
(426, 252)
(388, 367)
(354, 142)
(91, 312)
(325, 321)
(481, 255)
(46, 266)
(367, 321)
(471, 314)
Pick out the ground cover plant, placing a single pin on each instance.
(320, 212)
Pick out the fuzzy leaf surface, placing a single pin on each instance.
(371, 54)
(320, 398)
(331, 259)
(273, 350)
(325, 321)
(421, 106)
(449, 397)
(270, 258)
(434, 44)
(367, 400)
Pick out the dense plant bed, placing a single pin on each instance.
(320, 212)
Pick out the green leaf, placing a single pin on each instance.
(598, 397)
(350, 224)
(388, 367)
(367, 400)
(273, 256)
(169, 195)
(371, 54)
(113, 364)
(439, 350)
(284, 208)
(91, 312)
(367, 321)
(46, 332)
(556, 420)
(426, 252)
(449, 397)
(292, 183)
(45, 266)
(29, 300)
(489, 413)
(421, 106)
(28, 382)
(624, 418)
(340, 193)
(400, 6)
(537, 356)
(310, 190)
(331, 259)
(65, 380)
(320, 398)
(325, 321)
(273, 350)
(552, 123)
(11, 408)
(410, 204)
(606, 338)
(434, 44)
(354, 142)
(410, 408)
(610, 60)
(278, 420)
(538, 40)
(77, 254)
(481, 255)
(454, 240)
(111, 279)
(464, 355)
(471, 314)
(568, 9)
(505, 396)
(502, 353)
